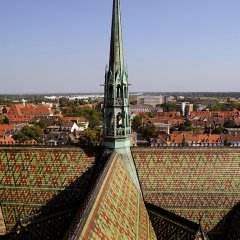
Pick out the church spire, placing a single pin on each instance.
(117, 124)
(116, 61)
(117, 129)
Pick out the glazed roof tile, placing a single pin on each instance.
(32, 177)
(116, 209)
(171, 226)
(2, 224)
(196, 183)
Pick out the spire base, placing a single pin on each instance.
(116, 143)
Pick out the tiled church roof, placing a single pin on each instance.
(33, 177)
(47, 190)
(167, 225)
(116, 209)
(229, 227)
(195, 183)
(2, 224)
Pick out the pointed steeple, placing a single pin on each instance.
(116, 61)
(117, 129)
(117, 123)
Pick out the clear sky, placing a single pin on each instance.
(169, 45)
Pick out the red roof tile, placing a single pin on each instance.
(7, 140)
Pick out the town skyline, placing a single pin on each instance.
(59, 47)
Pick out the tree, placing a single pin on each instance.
(229, 123)
(37, 99)
(217, 108)
(213, 129)
(149, 132)
(237, 106)
(169, 106)
(188, 123)
(197, 130)
(217, 130)
(187, 126)
(94, 117)
(207, 130)
(182, 127)
(5, 120)
(88, 139)
(44, 123)
(172, 129)
(136, 122)
(64, 102)
(28, 133)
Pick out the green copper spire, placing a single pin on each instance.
(116, 60)
(117, 127)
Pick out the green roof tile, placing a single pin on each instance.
(31, 177)
(195, 183)
(116, 210)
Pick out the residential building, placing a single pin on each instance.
(6, 129)
(231, 140)
(82, 122)
(188, 139)
(70, 127)
(185, 108)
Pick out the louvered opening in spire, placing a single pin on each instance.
(116, 61)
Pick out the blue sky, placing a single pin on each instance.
(169, 45)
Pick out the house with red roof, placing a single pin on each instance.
(18, 113)
(6, 129)
(232, 140)
(7, 141)
(187, 139)
(82, 122)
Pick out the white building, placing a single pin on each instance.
(150, 100)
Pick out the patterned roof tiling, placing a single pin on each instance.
(32, 177)
(116, 209)
(170, 226)
(195, 183)
(2, 224)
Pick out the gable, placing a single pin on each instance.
(116, 209)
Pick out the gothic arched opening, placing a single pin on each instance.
(110, 91)
(111, 120)
(125, 91)
(119, 92)
(119, 120)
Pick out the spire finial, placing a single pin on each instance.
(116, 61)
